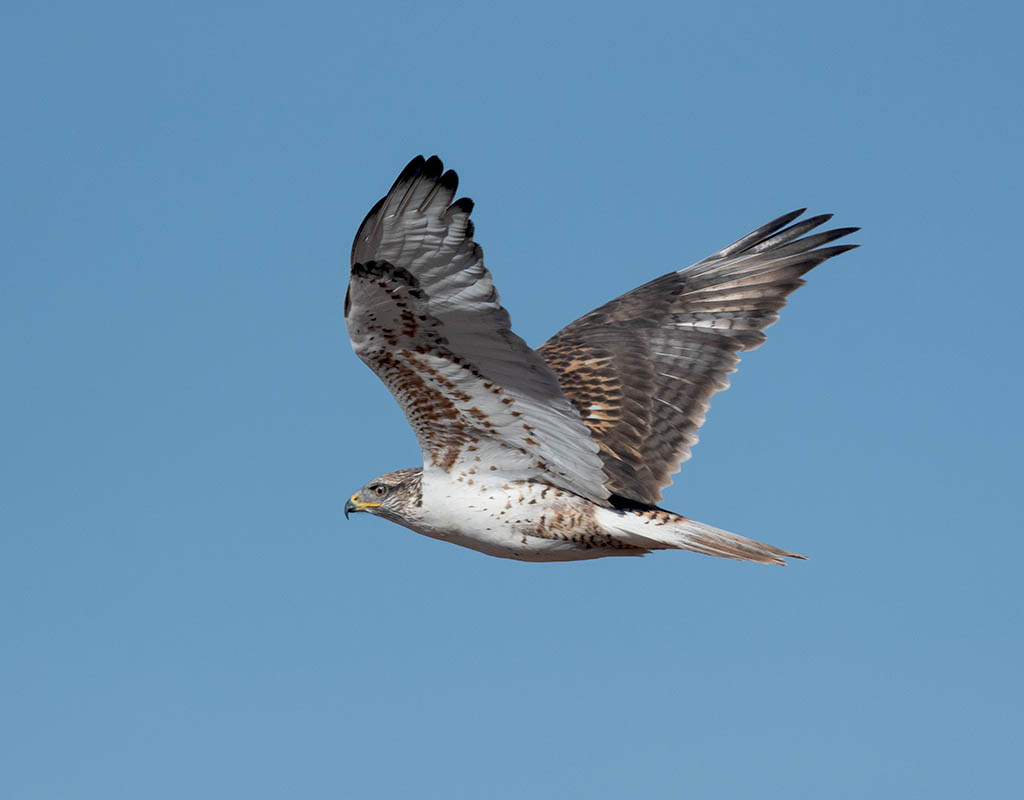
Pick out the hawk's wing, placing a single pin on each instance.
(641, 369)
(422, 312)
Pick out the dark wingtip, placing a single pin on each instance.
(840, 232)
(449, 180)
(412, 169)
(463, 204)
(432, 167)
(835, 250)
(781, 222)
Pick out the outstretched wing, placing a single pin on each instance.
(423, 313)
(641, 369)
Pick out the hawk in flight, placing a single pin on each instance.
(559, 453)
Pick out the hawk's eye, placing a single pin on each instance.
(379, 489)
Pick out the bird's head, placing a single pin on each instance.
(392, 496)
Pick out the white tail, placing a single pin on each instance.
(657, 529)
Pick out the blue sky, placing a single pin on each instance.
(185, 611)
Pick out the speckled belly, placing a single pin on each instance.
(520, 520)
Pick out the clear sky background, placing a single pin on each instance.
(186, 613)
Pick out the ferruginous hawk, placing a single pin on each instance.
(559, 453)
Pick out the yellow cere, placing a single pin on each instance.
(360, 504)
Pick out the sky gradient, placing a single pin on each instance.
(186, 612)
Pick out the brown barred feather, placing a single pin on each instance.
(642, 368)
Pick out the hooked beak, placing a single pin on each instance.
(355, 504)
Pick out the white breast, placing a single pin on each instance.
(499, 518)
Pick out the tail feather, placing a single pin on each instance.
(657, 529)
